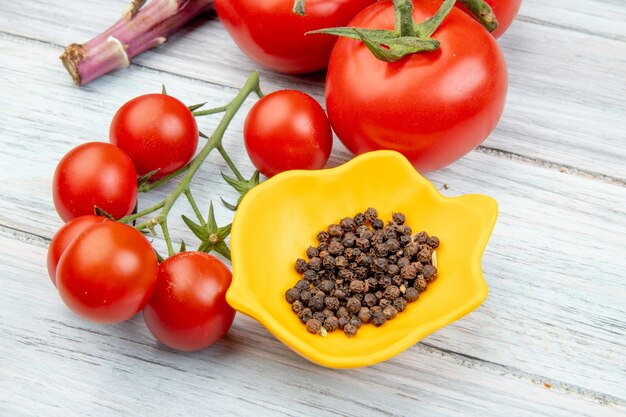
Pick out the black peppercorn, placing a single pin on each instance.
(309, 275)
(371, 214)
(348, 224)
(392, 292)
(335, 230)
(305, 315)
(365, 315)
(429, 272)
(390, 312)
(356, 321)
(319, 316)
(402, 262)
(384, 303)
(362, 243)
(315, 264)
(328, 263)
(341, 262)
(398, 218)
(292, 295)
(335, 248)
(350, 330)
(332, 303)
(348, 241)
(327, 286)
(382, 249)
(370, 300)
(378, 224)
(421, 237)
(353, 305)
(343, 321)
(408, 272)
(322, 237)
(297, 306)
(342, 312)
(313, 326)
(339, 295)
(411, 294)
(359, 219)
(305, 296)
(420, 283)
(331, 323)
(378, 319)
(316, 303)
(358, 286)
(301, 265)
(433, 242)
(328, 312)
(400, 303)
(312, 252)
(379, 265)
(425, 254)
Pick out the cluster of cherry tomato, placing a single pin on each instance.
(107, 271)
(433, 107)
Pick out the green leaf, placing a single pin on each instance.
(196, 229)
(396, 49)
(298, 7)
(196, 106)
(145, 178)
(349, 32)
(429, 26)
(99, 212)
(222, 249)
(211, 224)
(229, 206)
(158, 255)
(223, 232)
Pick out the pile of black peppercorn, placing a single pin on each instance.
(362, 271)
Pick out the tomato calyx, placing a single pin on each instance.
(408, 37)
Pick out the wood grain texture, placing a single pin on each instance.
(566, 65)
(554, 266)
(55, 364)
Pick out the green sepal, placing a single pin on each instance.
(195, 228)
(194, 107)
(99, 212)
(183, 246)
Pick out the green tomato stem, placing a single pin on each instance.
(194, 206)
(230, 163)
(482, 12)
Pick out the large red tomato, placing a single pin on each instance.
(433, 107)
(505, 11)
(66, 235)
(94, 174)
(287, 130)
(271, 34)
(157, 131)
(188, 310)
(108, 273)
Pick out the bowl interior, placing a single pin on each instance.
(285, 220)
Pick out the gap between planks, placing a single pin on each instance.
(543, 163)
(425, 348)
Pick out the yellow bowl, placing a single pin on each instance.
(280, 218)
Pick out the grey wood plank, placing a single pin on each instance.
(55, 364)
(566, 63)
(554, 264)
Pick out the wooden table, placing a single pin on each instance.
(549, 340)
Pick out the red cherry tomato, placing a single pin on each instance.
(94, 174)
(287, 130)
(188, 310)
(66, 235)
(108, 273)
(271, 34)
(157, 131)
(433, 107)
(505, 11)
